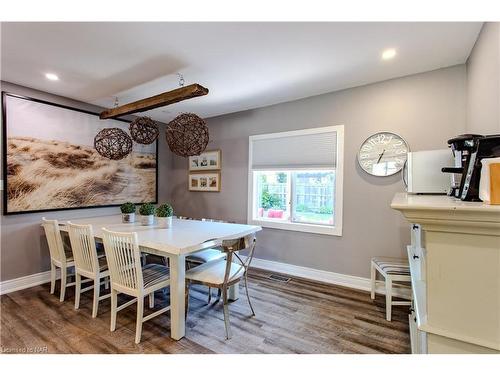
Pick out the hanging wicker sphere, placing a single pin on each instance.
(113, 143)
(144, 130)
(187, 135)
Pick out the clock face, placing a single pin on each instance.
(383, 154)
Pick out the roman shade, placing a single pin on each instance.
(311, 148)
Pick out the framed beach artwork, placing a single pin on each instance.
(204, 181)
(49, 161)
(207, 160)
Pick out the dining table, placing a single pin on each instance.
(182, 238)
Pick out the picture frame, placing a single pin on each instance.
(50, 164)
(204, 181)
(206, 161)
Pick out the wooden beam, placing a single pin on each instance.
(160, 100)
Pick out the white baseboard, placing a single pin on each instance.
(25, 282)
(328, 277)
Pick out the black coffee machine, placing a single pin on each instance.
(469, 150)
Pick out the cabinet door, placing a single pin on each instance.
(413, 333)
(416, 235)
(418, 338)
(417, 253)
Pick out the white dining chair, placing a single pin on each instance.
(58, 257)
(206, 256)
(87, 264)
(224, 273)
(129, 277)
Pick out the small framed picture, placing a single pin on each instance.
(208, 160)
(207, 181)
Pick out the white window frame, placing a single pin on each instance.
(336, 229)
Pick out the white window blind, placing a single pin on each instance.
(314, 148)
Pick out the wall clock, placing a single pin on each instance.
(383, 154)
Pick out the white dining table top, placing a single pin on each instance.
(184, 237)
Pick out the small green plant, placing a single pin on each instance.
(127, 208)
(164, 210)
(270, 200)
(147, 209)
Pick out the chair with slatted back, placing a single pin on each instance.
(129, 277)
(222, 274)
(87, 263)
(58, 257)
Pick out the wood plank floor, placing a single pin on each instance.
(300, 316)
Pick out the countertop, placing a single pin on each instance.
(405, 201)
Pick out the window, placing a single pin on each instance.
(295, 180)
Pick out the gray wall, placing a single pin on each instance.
(23, 247)
(426, 109)
(483, 82)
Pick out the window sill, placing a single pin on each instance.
(299, 227)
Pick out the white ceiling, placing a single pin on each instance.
(245, 65)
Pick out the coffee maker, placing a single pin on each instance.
(468, 151)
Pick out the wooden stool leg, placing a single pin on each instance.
(151, 300)
(52, 278)
(114, 307)
(78, 287)
(388, 298)
(140, 315)
(373, 278)
(95, 305)
(64, 277)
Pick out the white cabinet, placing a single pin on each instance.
(454, 260)
(418, 310)
(418, 338)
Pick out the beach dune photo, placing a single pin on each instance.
(54, 169)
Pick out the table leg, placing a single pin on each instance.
(177, 303)
(234, 292)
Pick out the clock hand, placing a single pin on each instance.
(382, 154)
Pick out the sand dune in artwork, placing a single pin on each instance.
(52, 174)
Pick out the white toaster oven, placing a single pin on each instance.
(423, 173)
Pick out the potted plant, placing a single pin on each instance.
(147, 211)
(164, 214)
(128, 212)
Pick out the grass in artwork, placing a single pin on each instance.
(54, 174)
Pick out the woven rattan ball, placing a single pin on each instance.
(113, 143)
(187, 135)
(144, 130)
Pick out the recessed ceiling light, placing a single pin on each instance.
(51, 76)
(389, 54)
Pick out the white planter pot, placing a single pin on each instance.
(164, 222)
(128, 218)
(147, 220)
